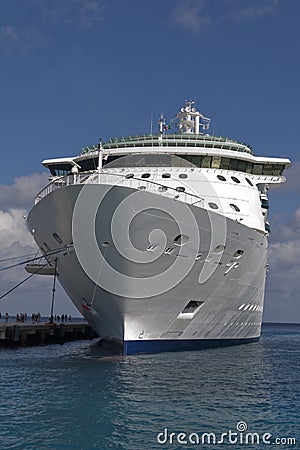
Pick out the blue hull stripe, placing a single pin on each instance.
(158, 346)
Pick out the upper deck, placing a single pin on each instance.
(204, 141)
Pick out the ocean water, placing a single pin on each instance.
(78, 396)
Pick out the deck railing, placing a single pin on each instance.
(117, 179)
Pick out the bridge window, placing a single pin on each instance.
(225, 163)
(242, 165)
(233, 164)
(216, 162)
(257, 169)
(206, 161)
(175, 160)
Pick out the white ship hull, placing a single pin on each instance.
(158, 295)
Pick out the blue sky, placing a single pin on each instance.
(74, 70)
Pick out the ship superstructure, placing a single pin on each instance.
(165, 235)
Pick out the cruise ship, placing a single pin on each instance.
(160, 240)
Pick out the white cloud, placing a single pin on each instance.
(13, 229)
(9, 34)
(293, 178)
(283, 281)
(16, 241)
(35, 294)
(22, 192)
(289, 231)
(254, 10)
(82, 13)
(191, 14)
(12, 38)
(196, 15)
(78, 13)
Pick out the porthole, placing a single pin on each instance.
(235, 179)
(129, 175)
(46, 246)
(141, 188)
(198, 256)
(213, 205)
(57, 238)
(249, 181)
(236, 208)
(146, 175)
(221, 177)
(182, 175)
(238, 253)
(162, 188)
(180, 189)
(151, 247)
(181, 239)
(166, 175)
(219, 248)
(168, 251)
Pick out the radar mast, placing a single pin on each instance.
(190, 120)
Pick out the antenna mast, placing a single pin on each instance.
(190, 120)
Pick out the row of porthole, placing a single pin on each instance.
(235, 179)
(213, 205)
(164, 175)
(164, 188)
(184, 175)
(252, 307)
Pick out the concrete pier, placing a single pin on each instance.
(43, 333)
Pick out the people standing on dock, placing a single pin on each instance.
(35, 317)
(6, 317)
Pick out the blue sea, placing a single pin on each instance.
(79, 396)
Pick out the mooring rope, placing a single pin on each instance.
(23, 281)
